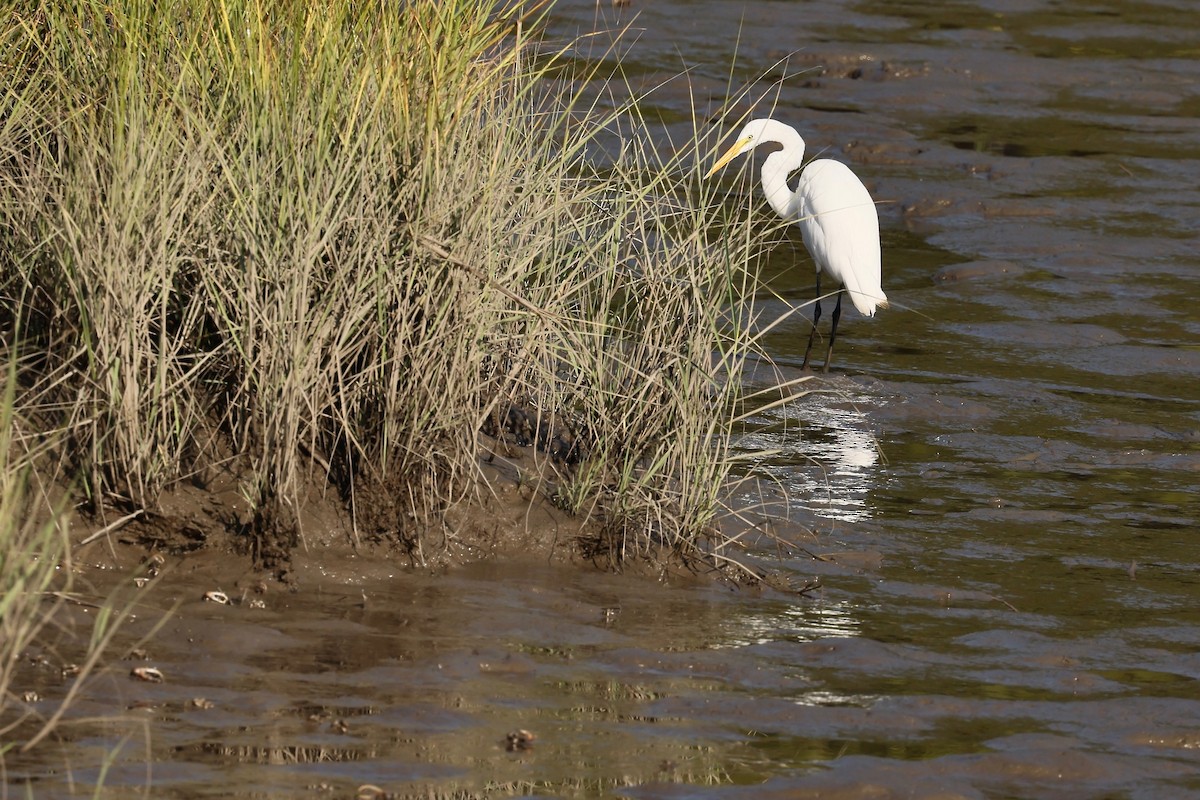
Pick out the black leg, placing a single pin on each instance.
(816, 317)
(837, 314)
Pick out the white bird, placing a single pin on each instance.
(836, 215)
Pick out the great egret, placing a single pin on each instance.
(835, 213)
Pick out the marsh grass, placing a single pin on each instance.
(31, 552)
(36, 581)
(330, 243)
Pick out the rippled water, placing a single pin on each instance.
(1000, 477)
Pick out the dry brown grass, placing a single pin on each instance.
(300, 237)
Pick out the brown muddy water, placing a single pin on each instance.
(1003, 475)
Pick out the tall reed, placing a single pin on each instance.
(337, 239)
(31, 549)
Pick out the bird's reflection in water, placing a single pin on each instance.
(825, 453)
(845, 457)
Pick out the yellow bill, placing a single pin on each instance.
(730, 154)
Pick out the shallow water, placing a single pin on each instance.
(1002, 479)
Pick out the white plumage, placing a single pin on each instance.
(834, 211)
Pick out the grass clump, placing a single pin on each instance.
(31, 554)
(328, 244)
(36, 580)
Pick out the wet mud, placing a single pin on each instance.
(992, 497)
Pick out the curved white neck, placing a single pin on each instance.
(778, 166)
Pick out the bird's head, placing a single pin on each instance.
(754, 133)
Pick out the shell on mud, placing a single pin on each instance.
(153, 563)
(148, 674)
(520, 740)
